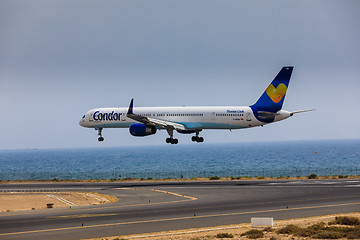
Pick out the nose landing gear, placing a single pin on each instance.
(100, 139)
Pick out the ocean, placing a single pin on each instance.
(293, 158)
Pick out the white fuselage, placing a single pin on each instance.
(193, 118)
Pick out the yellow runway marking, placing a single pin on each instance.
(176, 194)
(113, 214)
(188, 198)
(180, 218)
(84, 215)
(161, 191)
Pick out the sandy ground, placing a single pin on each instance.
(235, 230)
(19, 201)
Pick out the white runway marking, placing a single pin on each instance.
(327, 182)
(62, 200)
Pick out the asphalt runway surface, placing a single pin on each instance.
(146, 207)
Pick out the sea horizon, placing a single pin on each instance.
(285, 158)
(182, 144)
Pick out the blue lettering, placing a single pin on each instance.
(238, 111)
(98, 116)
(95, 116)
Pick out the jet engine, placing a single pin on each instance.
(141, 130)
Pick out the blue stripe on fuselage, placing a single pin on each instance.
(207, 125)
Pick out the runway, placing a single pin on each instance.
(157, 206)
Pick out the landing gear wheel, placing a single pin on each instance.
(197, 139)
(172, 140)
(100, 139)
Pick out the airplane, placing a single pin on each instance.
(145, 121)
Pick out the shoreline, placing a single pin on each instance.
(212, 179)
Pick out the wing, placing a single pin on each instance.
(153, 121)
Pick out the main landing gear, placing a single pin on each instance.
(171, 134)
(172, 140)
(196, 138)
(100, 139)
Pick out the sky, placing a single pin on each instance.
(59, 59)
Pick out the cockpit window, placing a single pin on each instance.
(83, 116)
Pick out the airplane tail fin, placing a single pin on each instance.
(273, 97)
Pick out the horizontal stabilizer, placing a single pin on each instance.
(303, 111)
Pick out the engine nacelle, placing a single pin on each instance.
(141, 130)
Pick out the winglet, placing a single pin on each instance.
(130, 110)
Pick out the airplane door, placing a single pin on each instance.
(213, 116)
(123, 116)
(248, 116)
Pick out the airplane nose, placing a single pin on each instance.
(82, 121)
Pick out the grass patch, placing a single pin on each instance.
(312, 176)
(214, 178)
(253, 234)
(268, 229)
(238, 178)
(127, 179)
(224, 235)
(323, 231)
(289, 229)
(350, 221)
